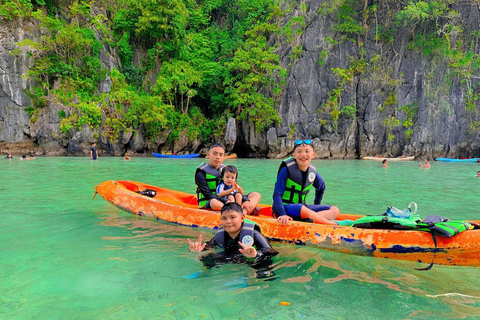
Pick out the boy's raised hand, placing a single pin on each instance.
(196, 246)
(237, 187)
(247, 251)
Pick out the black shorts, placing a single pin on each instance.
(224, 200)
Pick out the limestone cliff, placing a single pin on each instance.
(370, 92)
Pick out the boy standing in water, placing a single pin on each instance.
(296, 176)
(93, 152)
(207, 178)
(385, 163)
(237, 238)
(425, 165)
(229, 190)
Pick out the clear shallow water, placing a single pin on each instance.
(64, 256)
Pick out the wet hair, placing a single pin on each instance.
(24, 156)
(217, 145)
(232, 206)
(384, 160)
(231, 169)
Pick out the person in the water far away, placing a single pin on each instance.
(8, 157)
(296, 176)
(478, 174)
(425, 165)
(385, 163)
(93, 152)
(209, 175)
(238, 241)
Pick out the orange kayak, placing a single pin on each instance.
(181, 208)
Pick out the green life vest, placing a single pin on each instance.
(213, 178)
(446, 228)
(294, 193)
(386, 222)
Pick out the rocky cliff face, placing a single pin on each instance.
(390, 100)
(14, 120)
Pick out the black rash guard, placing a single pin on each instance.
(231, 253)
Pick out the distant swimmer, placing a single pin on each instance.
(8, 157)
(385, 163)
(425, 165)
(478, 174)
(126, 158)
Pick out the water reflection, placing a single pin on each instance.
(301, 269)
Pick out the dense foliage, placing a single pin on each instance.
(433, 29)
(185, 65)
(188, 65)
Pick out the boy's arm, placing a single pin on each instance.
(222, 192)
(277, 205)
(264, 249)
(319, 186)
(239, 189)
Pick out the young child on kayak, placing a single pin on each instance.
(236, 238)
(229, 190)
(296, 176)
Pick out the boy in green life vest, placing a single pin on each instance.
(209, 175)
(296, 176)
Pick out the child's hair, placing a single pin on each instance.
(300, 142)
(232, 206)
(217, 145)
(231, 169)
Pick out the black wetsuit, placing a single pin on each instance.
(229, 251)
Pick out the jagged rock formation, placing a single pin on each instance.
(390, 75)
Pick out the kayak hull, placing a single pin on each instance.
(182, 156)
(457, 160)
(389, 159)
(181, 208)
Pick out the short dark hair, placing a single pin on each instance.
(232, 206)
(217, 145)
(384, 160)
(231, 169)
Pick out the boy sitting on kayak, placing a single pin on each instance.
(238, 239)
(209, 175)
(296, 176)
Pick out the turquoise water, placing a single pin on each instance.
(64, 256)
